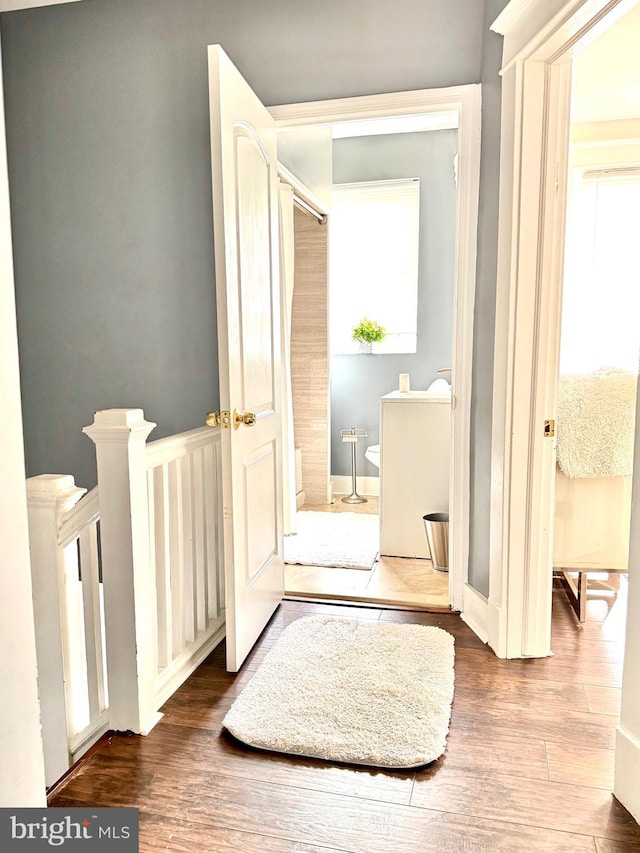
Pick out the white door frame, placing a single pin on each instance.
(539, 41)
(22, 780)
(536, 88)
(466, 102)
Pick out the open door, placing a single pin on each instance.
(245, 219)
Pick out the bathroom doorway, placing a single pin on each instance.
(391, 581)
(440, 589)
(343, 536)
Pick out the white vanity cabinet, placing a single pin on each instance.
(415, 440)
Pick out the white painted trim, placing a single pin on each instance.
(369, 486)
(510, 15)
(371, 106)
(536, 635)
(120, 438)
(12, 5)
(173, 447)
(543, 30)
(85, 513)
(22, 778)
(87, 737)
(534, 166)
(496, 628)
(301, 190)
(462, 340)
(628, 736)
(467, 101)
(50, 497)
(627, 771)
(475, 612)
(531, 237)
(181, 668)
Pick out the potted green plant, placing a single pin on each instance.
(367, 333)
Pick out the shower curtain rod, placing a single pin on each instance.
(303, 205)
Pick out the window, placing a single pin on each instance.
(373, 257)
(601, 291)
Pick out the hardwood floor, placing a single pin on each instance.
(528, 765)
(395, 581)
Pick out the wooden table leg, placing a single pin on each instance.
(582, 596)
(576, 592)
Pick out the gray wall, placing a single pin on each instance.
(108, 135)
(485, 304)
(107, 115)
(358, 381)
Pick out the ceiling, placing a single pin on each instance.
(606, 74)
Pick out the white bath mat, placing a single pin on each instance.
(360, 692)
(347, 540)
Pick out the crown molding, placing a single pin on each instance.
(510, 15)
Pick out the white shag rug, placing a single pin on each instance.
(347, 540)
(354, 691)
(596, 423)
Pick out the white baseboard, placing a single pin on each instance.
(86, 739)
(475, 612)
(497, 629)
(627, 773)
(181, 668)
(369, 486)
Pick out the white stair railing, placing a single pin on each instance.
(161, 554)
(185, 525)
(69, 619)
(128, 583)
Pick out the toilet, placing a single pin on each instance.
(372, 453)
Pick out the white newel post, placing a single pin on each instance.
(49, 497)
(129, 589)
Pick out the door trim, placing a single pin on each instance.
(536, 75)
(464, 103)
(538, 35)
(20, 716)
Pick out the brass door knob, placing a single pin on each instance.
(212, 419)
(248, 419)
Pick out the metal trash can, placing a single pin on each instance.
(437, 528)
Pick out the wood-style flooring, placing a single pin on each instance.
(394, 581)
(528, 765)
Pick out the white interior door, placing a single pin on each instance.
(245, 205)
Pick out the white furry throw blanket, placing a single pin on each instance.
(596, 421)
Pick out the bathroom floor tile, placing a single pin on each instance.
(396, 581)
(399, 580)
